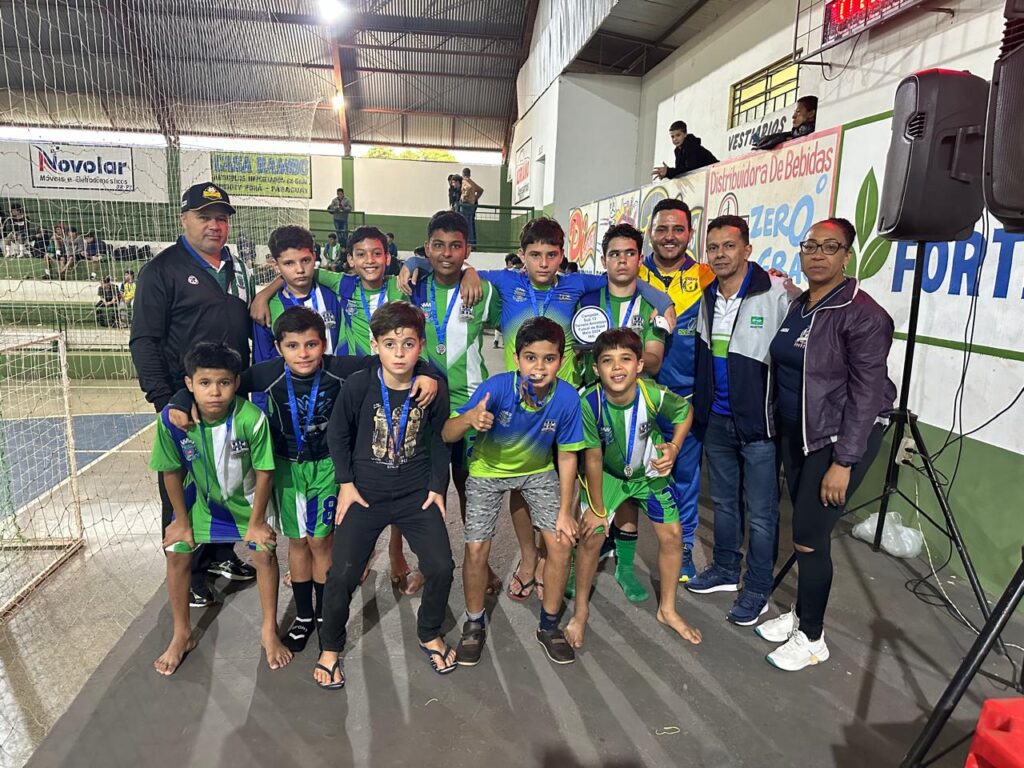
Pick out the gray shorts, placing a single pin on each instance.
(484, 496)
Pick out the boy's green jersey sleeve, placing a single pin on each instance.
(492, 316)
(673, 407)
(261, 446)
(164, 457)
(329, 279)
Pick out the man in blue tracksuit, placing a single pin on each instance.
(741, 312)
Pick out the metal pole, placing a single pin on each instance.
(1004, 609)
(892, 472)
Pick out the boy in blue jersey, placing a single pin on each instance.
(539, 291)
(521, 418)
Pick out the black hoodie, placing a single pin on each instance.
(691, 155)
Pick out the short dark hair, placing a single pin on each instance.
(678, 125)
(215, 355)
(448, 221)
(810, 103)
(571, 267)
(130, 272)
(540, 329)
(623, 230)
(105, 279)
(17, 207)
(332, 236)
(543, 230)
(394, 315)
(513, 260)
(731, 221)
(465, 171)
(340, 189)
(391, 235)
(618, 338)
(298, 319)
(671, 204)
(849, 231)
(290, 236)
(419, 250)
(367, 233)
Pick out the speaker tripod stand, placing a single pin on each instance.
(902, 420)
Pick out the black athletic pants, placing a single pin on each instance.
(205, 554)
(813, 521)
(354, 540)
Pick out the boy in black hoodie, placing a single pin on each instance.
(690, 153)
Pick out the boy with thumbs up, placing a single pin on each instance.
(521, 418)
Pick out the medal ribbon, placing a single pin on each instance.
(442, 327)
(398, 433)
(629, 309)
(627, 455)
(299, 428)
(539, 311)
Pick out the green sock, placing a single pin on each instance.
(570, 584)
(625, 550)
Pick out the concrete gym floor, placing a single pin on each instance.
(637, 696)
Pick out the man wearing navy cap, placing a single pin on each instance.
(193, 291)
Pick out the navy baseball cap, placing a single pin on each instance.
(203, 195)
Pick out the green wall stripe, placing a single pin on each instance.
(931, 341)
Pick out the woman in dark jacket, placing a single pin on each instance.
(831, 391)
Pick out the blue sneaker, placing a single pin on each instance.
(748, 608)
(713, 579)
(687, 572)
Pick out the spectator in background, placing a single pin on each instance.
(339, 208)
(128, 288)
(106, 307)
(392, 248)
(468, 199)
(332, 254)
(804, 117)
(690, 153)
(19, 232)
(512, 262)
(246, 248)
(454, 190)
(394, 263)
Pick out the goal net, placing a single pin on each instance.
(108, 111)
(40, 506)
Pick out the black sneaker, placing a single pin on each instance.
(471, 645)
(556, 646)
(233, 570)
(298, 634)
(200, 597)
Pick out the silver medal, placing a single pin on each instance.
(628, 470)
(441, 349)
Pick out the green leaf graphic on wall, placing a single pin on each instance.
(872, 252)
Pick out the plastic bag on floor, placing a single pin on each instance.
(897, 539)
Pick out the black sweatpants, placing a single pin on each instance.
(813, 521)
(205, 554)
(354, 541)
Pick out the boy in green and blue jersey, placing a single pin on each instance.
(218, 476)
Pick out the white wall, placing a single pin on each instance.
(540, 123)
(414, 187)
(597, 138)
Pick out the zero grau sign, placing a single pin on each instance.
(262, 175)
(82, 167)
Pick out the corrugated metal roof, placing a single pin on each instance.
(195, 66)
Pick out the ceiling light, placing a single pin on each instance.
(338, 101)
(332, 10)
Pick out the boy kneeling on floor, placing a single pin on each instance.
(392, 466)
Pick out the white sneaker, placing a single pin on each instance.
(779, 629)
(799, 652)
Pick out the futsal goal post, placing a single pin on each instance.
(40, 504)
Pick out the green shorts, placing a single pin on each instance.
(307, 498)
(655, 496)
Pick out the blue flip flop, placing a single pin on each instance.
(331, 686)
(431, 653)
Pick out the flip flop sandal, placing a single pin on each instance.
(442, 655)
(524, 589)
(539, 589)
(331, 686)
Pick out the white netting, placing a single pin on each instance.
(40, 508)
(100, 104)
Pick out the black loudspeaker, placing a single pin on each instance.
(932, 188)
(1004, 131)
